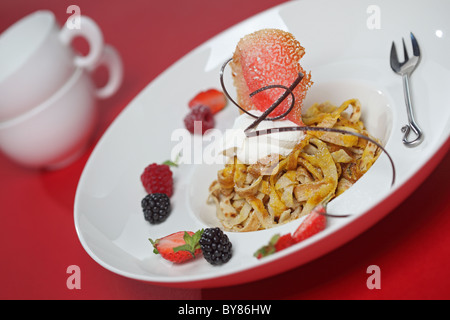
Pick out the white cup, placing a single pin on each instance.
(56, 132)
(36, 59)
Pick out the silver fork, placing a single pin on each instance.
(405, 69)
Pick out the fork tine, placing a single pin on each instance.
(415, 45)
(395, 65)
(405, 52)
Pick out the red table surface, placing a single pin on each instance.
(38, 241)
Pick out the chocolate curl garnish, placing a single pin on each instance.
(277, 102)
(226, 92)
(334, 130)
(250, 132)
(273, 106)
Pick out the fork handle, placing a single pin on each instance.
(407, 94)
(412, 126)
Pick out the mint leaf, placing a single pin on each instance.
(268, 249)
(192, 243)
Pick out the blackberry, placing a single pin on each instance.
(156, 207)
(216, 246)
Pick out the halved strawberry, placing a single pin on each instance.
(212, 98)
(315, 222)
(178, 247)
(269, 57)
(276, 244)
(284, 242)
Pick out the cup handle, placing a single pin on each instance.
(110, 58)
(91, 32)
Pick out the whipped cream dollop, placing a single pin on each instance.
(251, 149)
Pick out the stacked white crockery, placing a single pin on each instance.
(48, 109)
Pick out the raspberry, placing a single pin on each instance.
(157, 178)
(216, 246)
(156, 207)
(199, 113)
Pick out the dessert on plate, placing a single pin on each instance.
(285, 168)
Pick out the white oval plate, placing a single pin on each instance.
(347, 52)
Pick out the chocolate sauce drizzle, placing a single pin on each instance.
(251, 132)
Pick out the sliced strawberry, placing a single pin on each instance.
(212, 98)
(284, 242)
(269, 57)
(178, 247)
(313, 223)
(276, 244)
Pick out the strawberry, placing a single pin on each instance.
(214, 99)
(315, 222)
(178, 247)
(269, 57)
(276, 244)
(284, 242)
